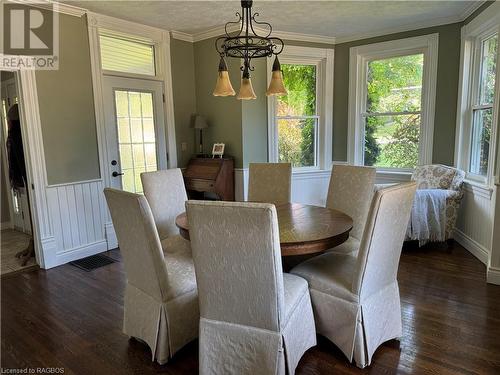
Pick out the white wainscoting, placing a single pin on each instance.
(474, 224)
(80, 222)
(310, 187)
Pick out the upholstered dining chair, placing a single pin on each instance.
(166, 195)
(356, 300)
(351, 191)
(270, 182)
(253, 318)
(161, 299)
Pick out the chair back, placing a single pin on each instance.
(351, 191)
(237, 259)
(139, 242)
(270, 182)
(437, 176)
(381, 244)
(166, 195)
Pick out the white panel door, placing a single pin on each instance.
(135, 130)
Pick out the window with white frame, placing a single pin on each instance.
(126, 55)
(300, 121)
(391, 99)
(481, 109)
(478, 99)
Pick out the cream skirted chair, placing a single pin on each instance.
(253, 318)
(447, 180)
(356, 300)
(351, 191)
(161, 299)
(270, 182)
(166, 195)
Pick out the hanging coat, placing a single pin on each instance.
(15, 151)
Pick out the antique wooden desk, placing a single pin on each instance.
(210, 175)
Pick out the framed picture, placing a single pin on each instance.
(218, 150)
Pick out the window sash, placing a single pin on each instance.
(376, 114)
(303, 117)
(473, 148)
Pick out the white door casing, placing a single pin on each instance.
(147, 90)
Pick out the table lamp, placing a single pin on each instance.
(200, 123)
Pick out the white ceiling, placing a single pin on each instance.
(340, 19)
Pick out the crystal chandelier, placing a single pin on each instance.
(246, 44)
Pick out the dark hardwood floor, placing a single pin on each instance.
(70, 319)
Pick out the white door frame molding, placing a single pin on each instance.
(161, 40)
(35, 166)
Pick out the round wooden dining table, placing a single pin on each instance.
(304, 229)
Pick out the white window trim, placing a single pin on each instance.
(323, 59)
(161, 40)
(359, 57)
(487, 23)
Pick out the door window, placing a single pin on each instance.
(136, 136)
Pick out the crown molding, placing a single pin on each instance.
(220, 30)
(55, 6)
(414, 26)
(471, 9)
(182, 36)
(324, 39)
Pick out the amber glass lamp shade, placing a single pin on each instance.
(246, 90)
(223, 85)
(276, 87)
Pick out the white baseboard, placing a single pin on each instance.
(109, 232)
(475, 248)
(6, 225)
(81, 252)
(493, 275)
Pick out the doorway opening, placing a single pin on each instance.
(17, 251)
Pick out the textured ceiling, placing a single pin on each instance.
(340, 19)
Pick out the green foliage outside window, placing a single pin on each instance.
(394, 86)
(296, 137)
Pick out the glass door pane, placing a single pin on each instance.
(136, 136)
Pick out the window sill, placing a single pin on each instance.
(478, 188)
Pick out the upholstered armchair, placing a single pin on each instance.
(254, 318)
(161, 297)
(442, 177)
(356, 298)
(270, 182)
(166, 195)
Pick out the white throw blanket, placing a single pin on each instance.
(428, 216)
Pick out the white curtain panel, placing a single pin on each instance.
(356, 299)
(253, 319)
(161, 298)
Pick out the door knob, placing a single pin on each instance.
(116, 174)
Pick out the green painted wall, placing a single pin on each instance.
(224, 114)
(254, 118)
(67, 108)
(184, 88)
(446, 90)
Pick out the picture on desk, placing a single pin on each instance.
(218, 149)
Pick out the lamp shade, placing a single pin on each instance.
(246, 90)
(200, 122)
(223, 85)
(276, 86)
